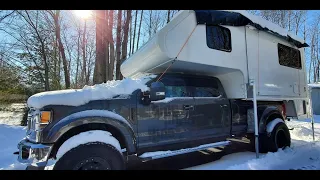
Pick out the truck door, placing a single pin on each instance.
(166, 121)
(212, 109)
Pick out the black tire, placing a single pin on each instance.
(91, 156)
(279, 138)
(263, 148)
(270, 143)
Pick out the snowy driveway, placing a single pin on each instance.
(304, 154)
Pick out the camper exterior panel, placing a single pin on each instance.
(303, 76)
(225, 62)
(149, 56)
(252, 40)
(275, 79)
(163, 47)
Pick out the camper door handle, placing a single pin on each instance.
(188, 107)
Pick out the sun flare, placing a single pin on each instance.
(85, 14)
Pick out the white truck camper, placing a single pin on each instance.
(233, 46)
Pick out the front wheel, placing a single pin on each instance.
(91, 156)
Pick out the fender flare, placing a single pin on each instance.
(272, 124)
(270, 111)
(88, 137)
(93, 117)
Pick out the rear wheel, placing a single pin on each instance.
(91, 156)
(277, 139)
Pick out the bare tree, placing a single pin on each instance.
(5, 15)
(118, 42)
(111, 41)
(105, 65)
(124, 42)
(98, 74)
(298, 17)
(141, 15)
(168, 16)
(134, 31)
(56, 16)
(33, 24)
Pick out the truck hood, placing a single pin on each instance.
(77, 97)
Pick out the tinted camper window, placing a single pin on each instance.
(219, 38)
(289, 56)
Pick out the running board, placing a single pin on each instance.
(163, 154)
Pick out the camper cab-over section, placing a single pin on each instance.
(233, 46)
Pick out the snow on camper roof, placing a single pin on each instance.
(242, 18)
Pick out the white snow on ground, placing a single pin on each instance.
(76, 97)
(12, 114)
(87, 137)
(10, 136)
(303, 154)
(10, 118)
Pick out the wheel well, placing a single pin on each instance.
(272, 117)
(87, 127)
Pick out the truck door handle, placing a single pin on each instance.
(188, 107)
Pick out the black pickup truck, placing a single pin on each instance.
(179, 114)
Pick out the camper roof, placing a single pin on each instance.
(242, 18)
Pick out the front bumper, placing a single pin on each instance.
(33, 154)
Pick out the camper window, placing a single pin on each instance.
(289, 57)
(218, 38)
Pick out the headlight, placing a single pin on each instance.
(45, 117)
(38, 121)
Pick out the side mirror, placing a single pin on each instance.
(157, 91)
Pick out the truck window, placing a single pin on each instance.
(218, 38)
(176, 87)
(190, 87)
(206, 92)
(289, 57)
(204, 87)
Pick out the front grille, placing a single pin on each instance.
(25, 152)
(30, 122)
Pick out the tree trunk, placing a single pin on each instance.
(111, 43)
(106, 41)
(118, 43)
(134, 32)
(46, 69)
(289, 20)
(55, 78)
(168, 17)
(125, 40)
(97, 74)
(84, 62)
(78, 59)
(61, 49)
(139, 29)
(150, 24)
(317, 58)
